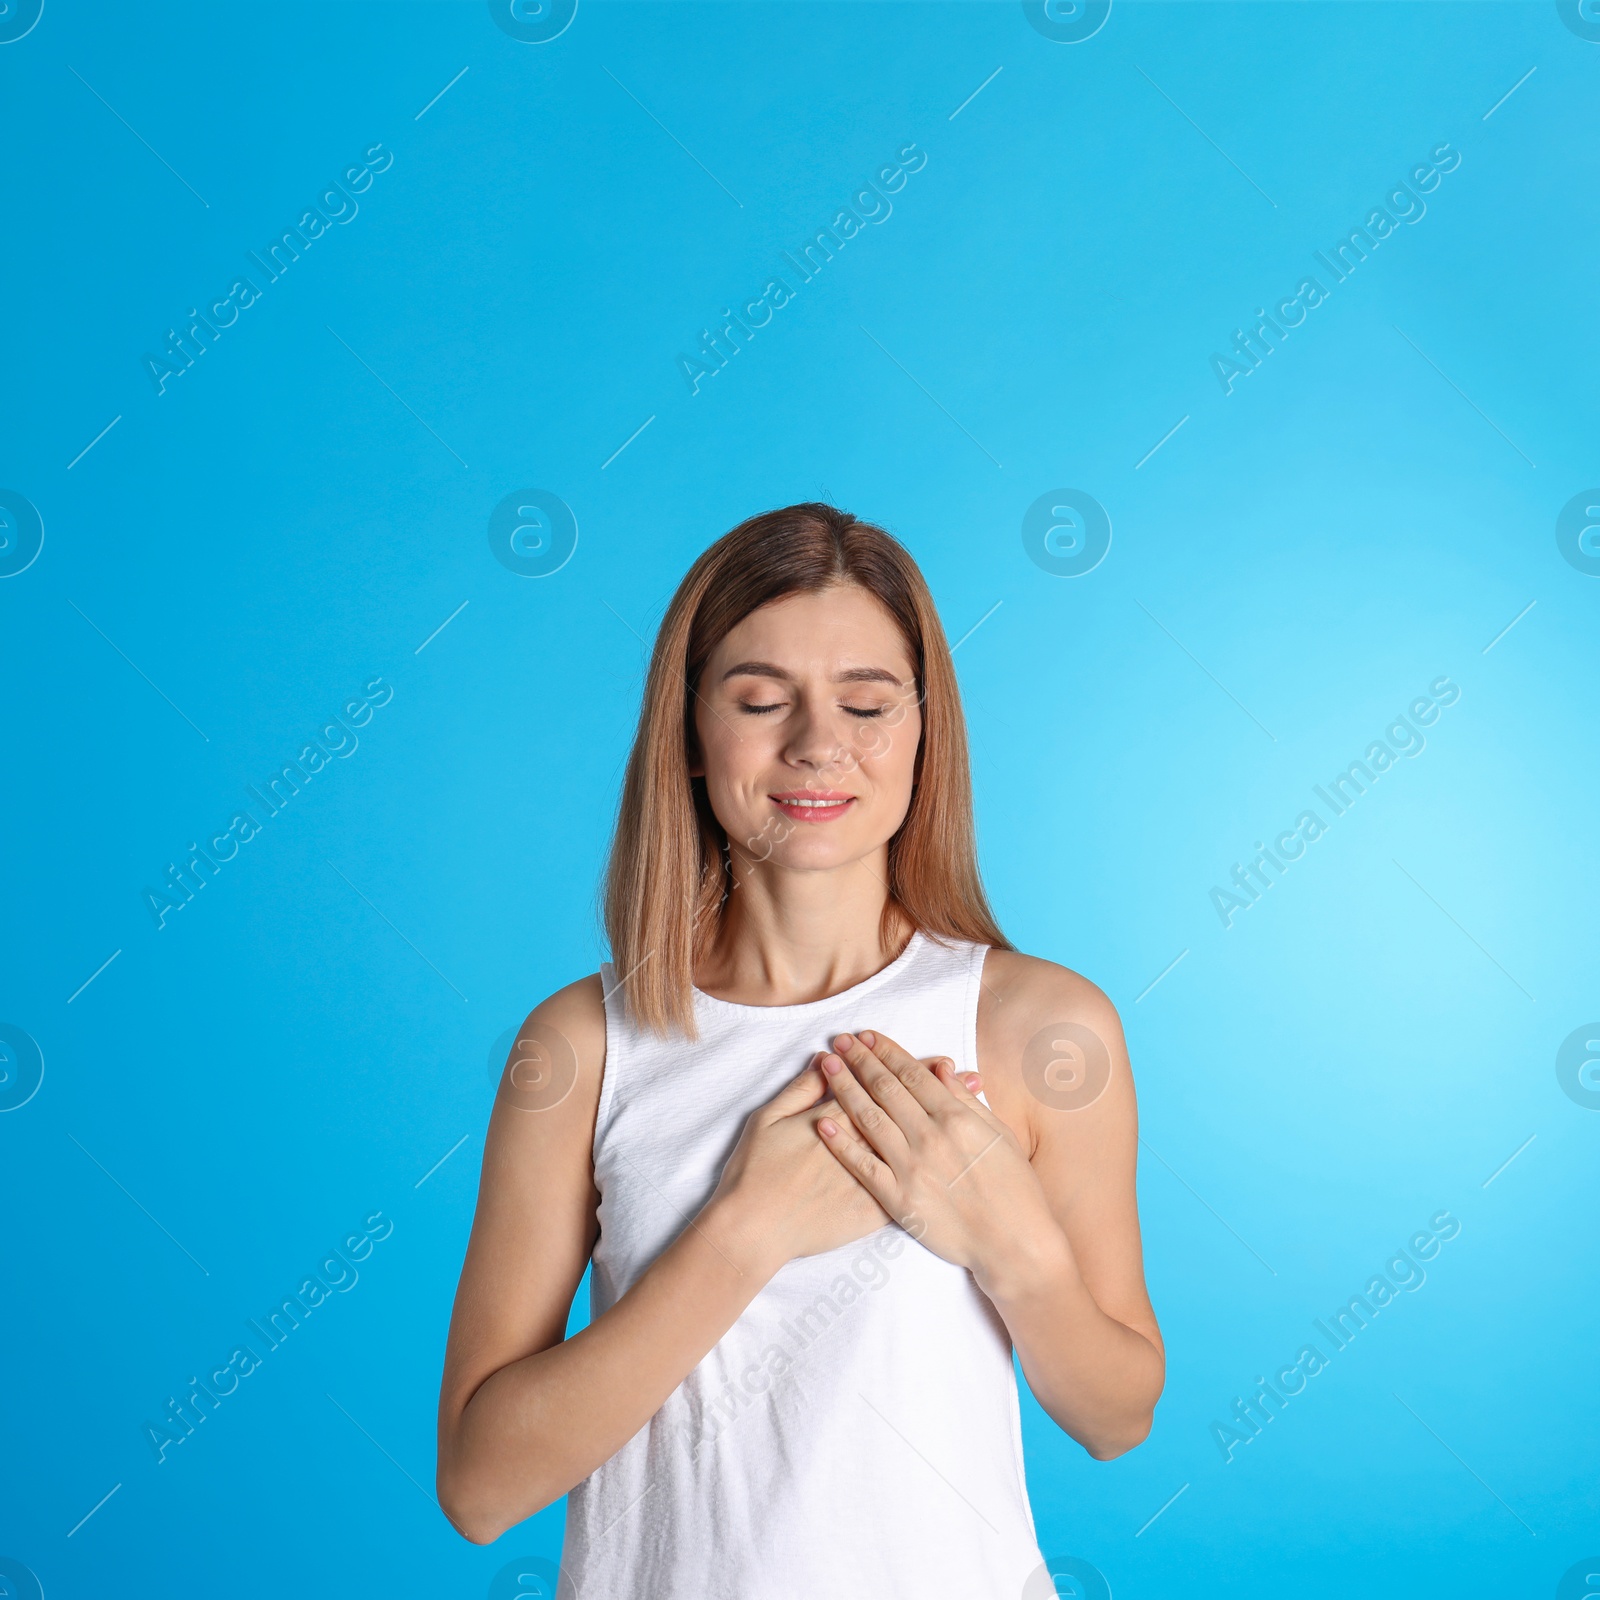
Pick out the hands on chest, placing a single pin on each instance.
(869, 1134)
(938, 1161)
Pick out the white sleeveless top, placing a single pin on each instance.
(856, 1433)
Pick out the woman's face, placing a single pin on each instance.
(808, 723)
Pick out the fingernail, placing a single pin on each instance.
(973, 1081)
(832, 1064)
(867, 1038)
(828, 1127)
(843, 1042)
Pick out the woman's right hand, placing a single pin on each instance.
(784, 1190)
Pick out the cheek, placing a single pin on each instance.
(888, 753)
(733, 760)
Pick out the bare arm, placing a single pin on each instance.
(525, 1414)
(1033, 1194)
(1074, 1296)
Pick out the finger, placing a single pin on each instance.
(884, 1085)
(965, 1086)
(913, 1075)
(800, 1093)
(874, 1123)
(859, 1161)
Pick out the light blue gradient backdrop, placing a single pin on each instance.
(240, 555)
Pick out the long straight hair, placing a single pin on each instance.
(668, 876)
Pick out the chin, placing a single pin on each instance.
(823, 855)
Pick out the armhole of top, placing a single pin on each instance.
(980, 953)
(612, 999)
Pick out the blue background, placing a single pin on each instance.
(240, 555)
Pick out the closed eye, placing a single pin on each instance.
(760, 709)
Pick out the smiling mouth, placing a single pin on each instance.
(811, 807)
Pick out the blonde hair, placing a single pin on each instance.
(668, 877)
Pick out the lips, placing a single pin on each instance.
(813, 805)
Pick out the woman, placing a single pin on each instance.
(834, 1146)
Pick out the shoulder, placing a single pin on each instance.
(578, 1014)
(1023, 994)
(1050, 1041)
(555, 1066)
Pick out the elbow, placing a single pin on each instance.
(467, 1513)
(1110, 1449)
(1130, 1427)
(460, 1488)
(477, 1512)
(472, 1532)
(1114, 1442)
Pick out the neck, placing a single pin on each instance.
(787, 938)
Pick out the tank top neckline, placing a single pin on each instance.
(912, 949)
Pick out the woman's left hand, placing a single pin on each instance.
(937, 1159)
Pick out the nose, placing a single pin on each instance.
(815, 741)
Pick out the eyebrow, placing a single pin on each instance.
(765, 669)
